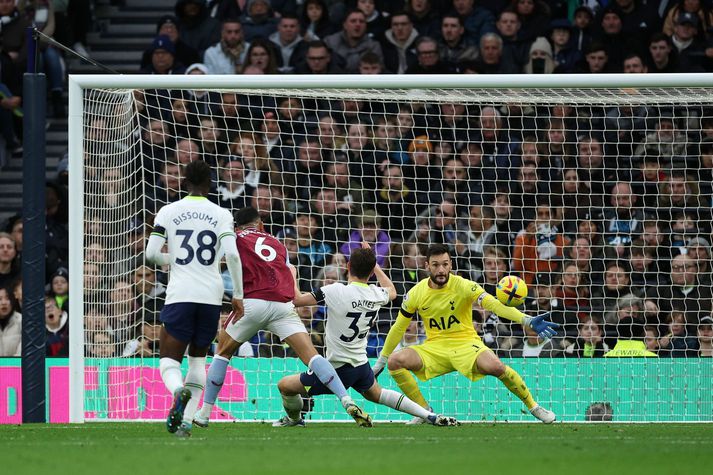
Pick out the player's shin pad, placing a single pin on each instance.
(408, 385)
(512, 380)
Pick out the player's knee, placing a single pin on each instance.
(283, 386)
(497, 368)
(394, 362)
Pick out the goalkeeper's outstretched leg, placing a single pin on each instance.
(488, 363)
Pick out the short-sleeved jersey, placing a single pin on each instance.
(193, 228)
(447, 312)
(265, 272)
(351, 312)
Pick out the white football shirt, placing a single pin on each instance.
(193, 228)
(351, 312)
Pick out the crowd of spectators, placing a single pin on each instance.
(605, 211)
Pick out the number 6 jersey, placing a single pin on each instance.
(193, 228)
(265, 272)
(351, 312)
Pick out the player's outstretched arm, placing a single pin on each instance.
(153, 249)
(544, 328)
(396, 333)
(301, 299)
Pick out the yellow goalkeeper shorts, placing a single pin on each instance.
(442, 357)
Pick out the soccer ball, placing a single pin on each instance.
(511, 291)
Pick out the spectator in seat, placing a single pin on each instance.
(233, 191)
(705, 337)
(456, 48)
(59, 288)
(534, 16)
(532, 346)
(198, 29)
(698, 8)
(334, 216)
(491, 59)
(590, 341)
(57, 324)
(634, 64)
(376, 21)
(260, 58)
(397, 203)
(478, 232)
(428, 58)
(399, 44)
(186, 55)
(258, 20)
(596, 60)
(309, 239)
(425, 16)
(291, 48)
(565, 53)
(150, 295)
(315, 20)
(680, 338)
(540, 59)
(163, 58)
(581, 27)
(318, 60)
(685, 292)
(623, 219)
(352, 42)
(370, 63)
(616, 284)
(10, 324)
(288, 237)
(9, 265)
(514, 49)
(369, 231)
(689, 47)
(540, 246)
(495, 265)
(477, 20)
(14, 48)
(663, 57)
(700, 250)
(229, 54)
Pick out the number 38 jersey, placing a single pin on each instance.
(265, 272)
(351, 312)
(193, 228)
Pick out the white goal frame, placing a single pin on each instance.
(79, 83)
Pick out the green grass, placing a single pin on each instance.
(497, 449)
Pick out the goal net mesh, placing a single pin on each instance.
(600, 199)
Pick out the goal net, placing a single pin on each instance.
(598, 195)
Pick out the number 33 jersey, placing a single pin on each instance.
(351, 312)
(265, 272)
(193, 228)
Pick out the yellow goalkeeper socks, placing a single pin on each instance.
(408, 385)
(517, 386)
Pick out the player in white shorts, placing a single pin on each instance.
(351, 312)
(268, 288)
(198, 232)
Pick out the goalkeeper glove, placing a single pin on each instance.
(544, 329)
(379, 365)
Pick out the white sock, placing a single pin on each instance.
(195, 382)
(400, 402)
(171, 374)
(293, 406)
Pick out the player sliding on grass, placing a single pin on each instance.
(352, 310)
(444, 302)
(268, 291)
(196, 231)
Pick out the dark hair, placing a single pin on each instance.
(11, 296)
(437, 250)
(289, 16)
(453, 15)
(198, 174)
(245, 216)
(362, 262)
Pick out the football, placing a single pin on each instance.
(511, 291)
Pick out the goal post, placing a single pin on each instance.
(125, 134)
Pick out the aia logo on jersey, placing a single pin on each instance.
(441, 323)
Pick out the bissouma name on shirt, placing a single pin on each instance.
(195, 215)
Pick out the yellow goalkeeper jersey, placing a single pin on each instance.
(447, 313)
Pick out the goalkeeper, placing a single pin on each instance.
(444, 302)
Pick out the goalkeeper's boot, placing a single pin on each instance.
(419, 420)
(184, 430)
(200, 421)
(175, 415)
(285, 421)
(548, 417)
(362, 418)
(443, 421)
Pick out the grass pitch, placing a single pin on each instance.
(341, 449)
